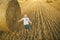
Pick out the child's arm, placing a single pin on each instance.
(19, 20)
(30, 22)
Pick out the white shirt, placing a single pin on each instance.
(25, 20)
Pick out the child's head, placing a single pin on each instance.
(25, 15)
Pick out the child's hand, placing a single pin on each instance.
(18, 21)
(30, 22)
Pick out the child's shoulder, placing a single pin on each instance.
(26, 17)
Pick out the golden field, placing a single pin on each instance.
(44, 15)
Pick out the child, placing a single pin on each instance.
(26, 22)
